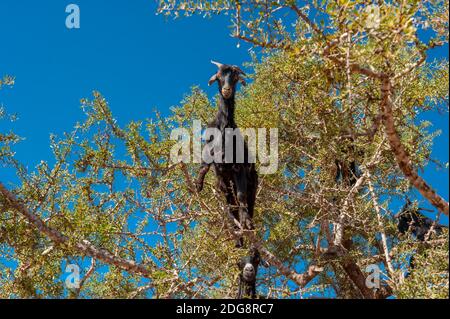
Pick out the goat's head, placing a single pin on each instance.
(227, 76)
(249, 265)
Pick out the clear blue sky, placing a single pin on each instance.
(136, 59)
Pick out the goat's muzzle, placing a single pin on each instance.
(249, 273)
(227, 92)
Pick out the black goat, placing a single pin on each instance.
(248, 266)
(238, 181)
(410, 219)
(347, 171)
(346, 174)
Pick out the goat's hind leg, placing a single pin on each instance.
(241, 189)
(233, 216)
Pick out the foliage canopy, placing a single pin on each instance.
(332, 75)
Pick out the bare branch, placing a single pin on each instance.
(84, 247)
(402, 157)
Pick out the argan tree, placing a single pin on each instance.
(343, 81)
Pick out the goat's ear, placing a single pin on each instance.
(239, 70)
(242, 81)
(212, 79)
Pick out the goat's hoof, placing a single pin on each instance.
(198, 187)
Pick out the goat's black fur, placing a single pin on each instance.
(347, 171)
(346, 174)
(411, 220)
(238, 181)
(248, 266)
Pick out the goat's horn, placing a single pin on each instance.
(219, 65)
(239, 70)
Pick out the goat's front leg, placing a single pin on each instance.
(252, 290)
(204, 169)
(201, 176)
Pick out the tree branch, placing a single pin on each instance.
(84, 247)
(397, 148)
(402, 157)
(359, 279)
(300, 279)
(381, 228)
